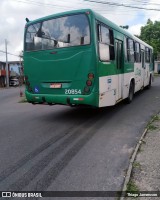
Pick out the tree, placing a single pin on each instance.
(150, 33)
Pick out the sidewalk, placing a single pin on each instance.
(145, 175)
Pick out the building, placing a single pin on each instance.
(15, 70)
(157, 67)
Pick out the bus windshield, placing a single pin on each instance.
(66, 31)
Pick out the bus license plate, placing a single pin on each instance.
(55, 85)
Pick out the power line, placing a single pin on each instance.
(36, 3)
(112, 4)
(41, 4)
(145, 2)
(9, 53)
(122, 5)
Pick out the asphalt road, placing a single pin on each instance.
(58, 148)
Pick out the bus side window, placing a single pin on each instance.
(137, 52)
(125, 49)
(111, 46)
(151, 57)
(130, 50)
(147, 55)
(106, 43)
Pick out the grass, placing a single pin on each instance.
(132, 187)
(156, 118)
(151, 127)
(137, 165)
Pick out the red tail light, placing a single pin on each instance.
(89, 83)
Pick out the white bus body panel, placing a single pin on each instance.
(110, 89)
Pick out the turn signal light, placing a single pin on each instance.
(91, 76)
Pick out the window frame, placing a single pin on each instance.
(137, 53)
(111, 47)
(147, 55)
(130, 51)
(56, 17)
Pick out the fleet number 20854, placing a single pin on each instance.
(73, 91)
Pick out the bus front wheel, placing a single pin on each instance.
(131, 93)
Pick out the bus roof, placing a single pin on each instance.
(119, 29)
(98, 17)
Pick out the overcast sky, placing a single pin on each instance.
(14, 12)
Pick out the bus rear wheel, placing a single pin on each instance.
(131, 93)
(150, 83)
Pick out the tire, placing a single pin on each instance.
(150, 83)
(131, 93)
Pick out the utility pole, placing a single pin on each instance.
(7, 73)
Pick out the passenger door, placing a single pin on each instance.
(143, 67)
(119, 67)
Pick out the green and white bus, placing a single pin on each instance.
(81, 58)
